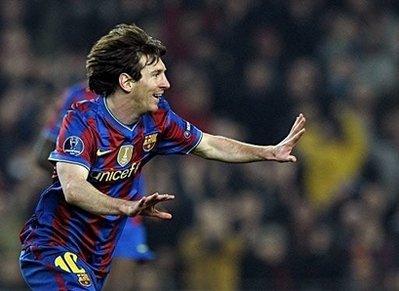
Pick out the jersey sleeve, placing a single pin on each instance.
(75, 142)
(179, 136)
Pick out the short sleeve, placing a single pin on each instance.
(75, 142)
(179, 136)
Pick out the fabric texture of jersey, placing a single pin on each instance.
(114, 154)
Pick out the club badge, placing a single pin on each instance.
(73, 145)
(125, 155)
(84, 279)
(149, 141)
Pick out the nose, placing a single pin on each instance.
(164, 83)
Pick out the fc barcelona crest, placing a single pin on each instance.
(84, 279)
(125, 155)
(149, 141)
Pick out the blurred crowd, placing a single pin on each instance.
(243, 69)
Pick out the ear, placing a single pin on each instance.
(126, 82)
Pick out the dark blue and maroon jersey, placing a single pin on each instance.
(133, 236)
(114, 154)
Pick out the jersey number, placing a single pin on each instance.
(67, 262)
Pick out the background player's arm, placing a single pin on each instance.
(228, 150)
(79, 192)
(42, 149)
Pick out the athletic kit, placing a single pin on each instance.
(72, 248)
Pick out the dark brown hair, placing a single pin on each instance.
(120, 52)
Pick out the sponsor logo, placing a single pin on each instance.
(125, 155)
(110, 176)
(73, 145)
(187, 133)
(100, 152)
(149, 141)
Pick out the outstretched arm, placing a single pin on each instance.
(79, 192)
(228, 150)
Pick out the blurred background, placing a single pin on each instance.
(243, 69)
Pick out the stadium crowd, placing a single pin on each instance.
(244, 69)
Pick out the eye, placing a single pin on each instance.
(156, 73)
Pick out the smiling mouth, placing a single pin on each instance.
(157, 95)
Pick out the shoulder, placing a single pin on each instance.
(85, 110)
(86, 106)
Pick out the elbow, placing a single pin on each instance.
(71, 192)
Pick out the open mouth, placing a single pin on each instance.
(157, 95)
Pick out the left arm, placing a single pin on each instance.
(228, 150)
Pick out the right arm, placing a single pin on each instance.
(79, 192)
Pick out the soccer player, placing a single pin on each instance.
(132, 246)
(102, 146)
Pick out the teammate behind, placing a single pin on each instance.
(101, 148)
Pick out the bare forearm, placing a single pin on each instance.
(82, 194)
(228, 150)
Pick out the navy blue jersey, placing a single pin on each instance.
(114, 154)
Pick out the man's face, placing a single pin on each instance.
(152, 85)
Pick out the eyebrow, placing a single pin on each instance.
(158, 71)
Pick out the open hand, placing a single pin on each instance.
(146, 206)
(282, 151)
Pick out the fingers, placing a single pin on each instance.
(299, 123)
(161, 215)
(297, 137)
(148, 207)
(156, 197)
(296, 122)
(142, 202)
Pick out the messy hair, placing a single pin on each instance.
(119, 52)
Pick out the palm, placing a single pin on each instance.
(283, 150)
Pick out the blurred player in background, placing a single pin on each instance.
(102, 146)
(132, 245)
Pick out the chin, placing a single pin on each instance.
(153, 108)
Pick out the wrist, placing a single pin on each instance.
(125, 208)
(270, 153)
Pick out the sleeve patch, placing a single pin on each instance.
(73, 145)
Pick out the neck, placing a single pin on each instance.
(122, 109)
